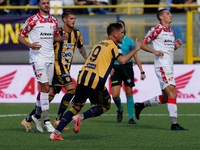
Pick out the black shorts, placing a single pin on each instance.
(123, 73)
(97, 97)
(61, 81)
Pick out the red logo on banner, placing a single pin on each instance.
(5, 82)
(181, 82)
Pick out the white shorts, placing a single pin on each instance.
(165, 76)
(43, 71)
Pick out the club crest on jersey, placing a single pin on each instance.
(39, 75)
(170, 79)
(67, 79)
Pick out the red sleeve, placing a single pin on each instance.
(56, 30)
(27, 27)
(152, 34)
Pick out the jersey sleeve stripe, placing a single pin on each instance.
(118, 56)
(113, 53)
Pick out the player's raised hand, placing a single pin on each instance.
(35, 46)
(177, 43)
(137, 44)
(65, 36)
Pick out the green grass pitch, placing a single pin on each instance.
(152, 131)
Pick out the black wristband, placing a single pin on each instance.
(142, 72)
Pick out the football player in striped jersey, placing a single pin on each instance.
(92, 77)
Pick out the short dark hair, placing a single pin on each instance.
(39, 1)
(67, 12)
(159, 13)
(113, 27)
(120, 21)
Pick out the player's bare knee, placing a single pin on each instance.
(45, 88)
(129, 94)
(77, 107)
(115, 95)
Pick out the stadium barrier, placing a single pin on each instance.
(192, 51)
(128, 7)
(92, 29)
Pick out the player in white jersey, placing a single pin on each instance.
(42, 30)
(164, 45)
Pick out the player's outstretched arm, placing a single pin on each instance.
(150, 50)
(123, 59)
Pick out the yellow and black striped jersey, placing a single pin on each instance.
(99, 64)
(64, 51)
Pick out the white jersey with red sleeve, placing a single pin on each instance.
(41, 29)
(162, 39)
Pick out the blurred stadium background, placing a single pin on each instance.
(93, 29)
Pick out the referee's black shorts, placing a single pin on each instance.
(123, 73)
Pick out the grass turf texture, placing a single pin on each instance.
(104, 133)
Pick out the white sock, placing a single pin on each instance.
(172, 109)
(154, 101)
(44, 101)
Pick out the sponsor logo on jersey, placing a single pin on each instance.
(45, 34)
(68, 45)
(168, 41)
(89, 65)
(39, 27)
(67, 54)
(65, 75)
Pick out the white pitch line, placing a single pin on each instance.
(107, 115)
(13, 115)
